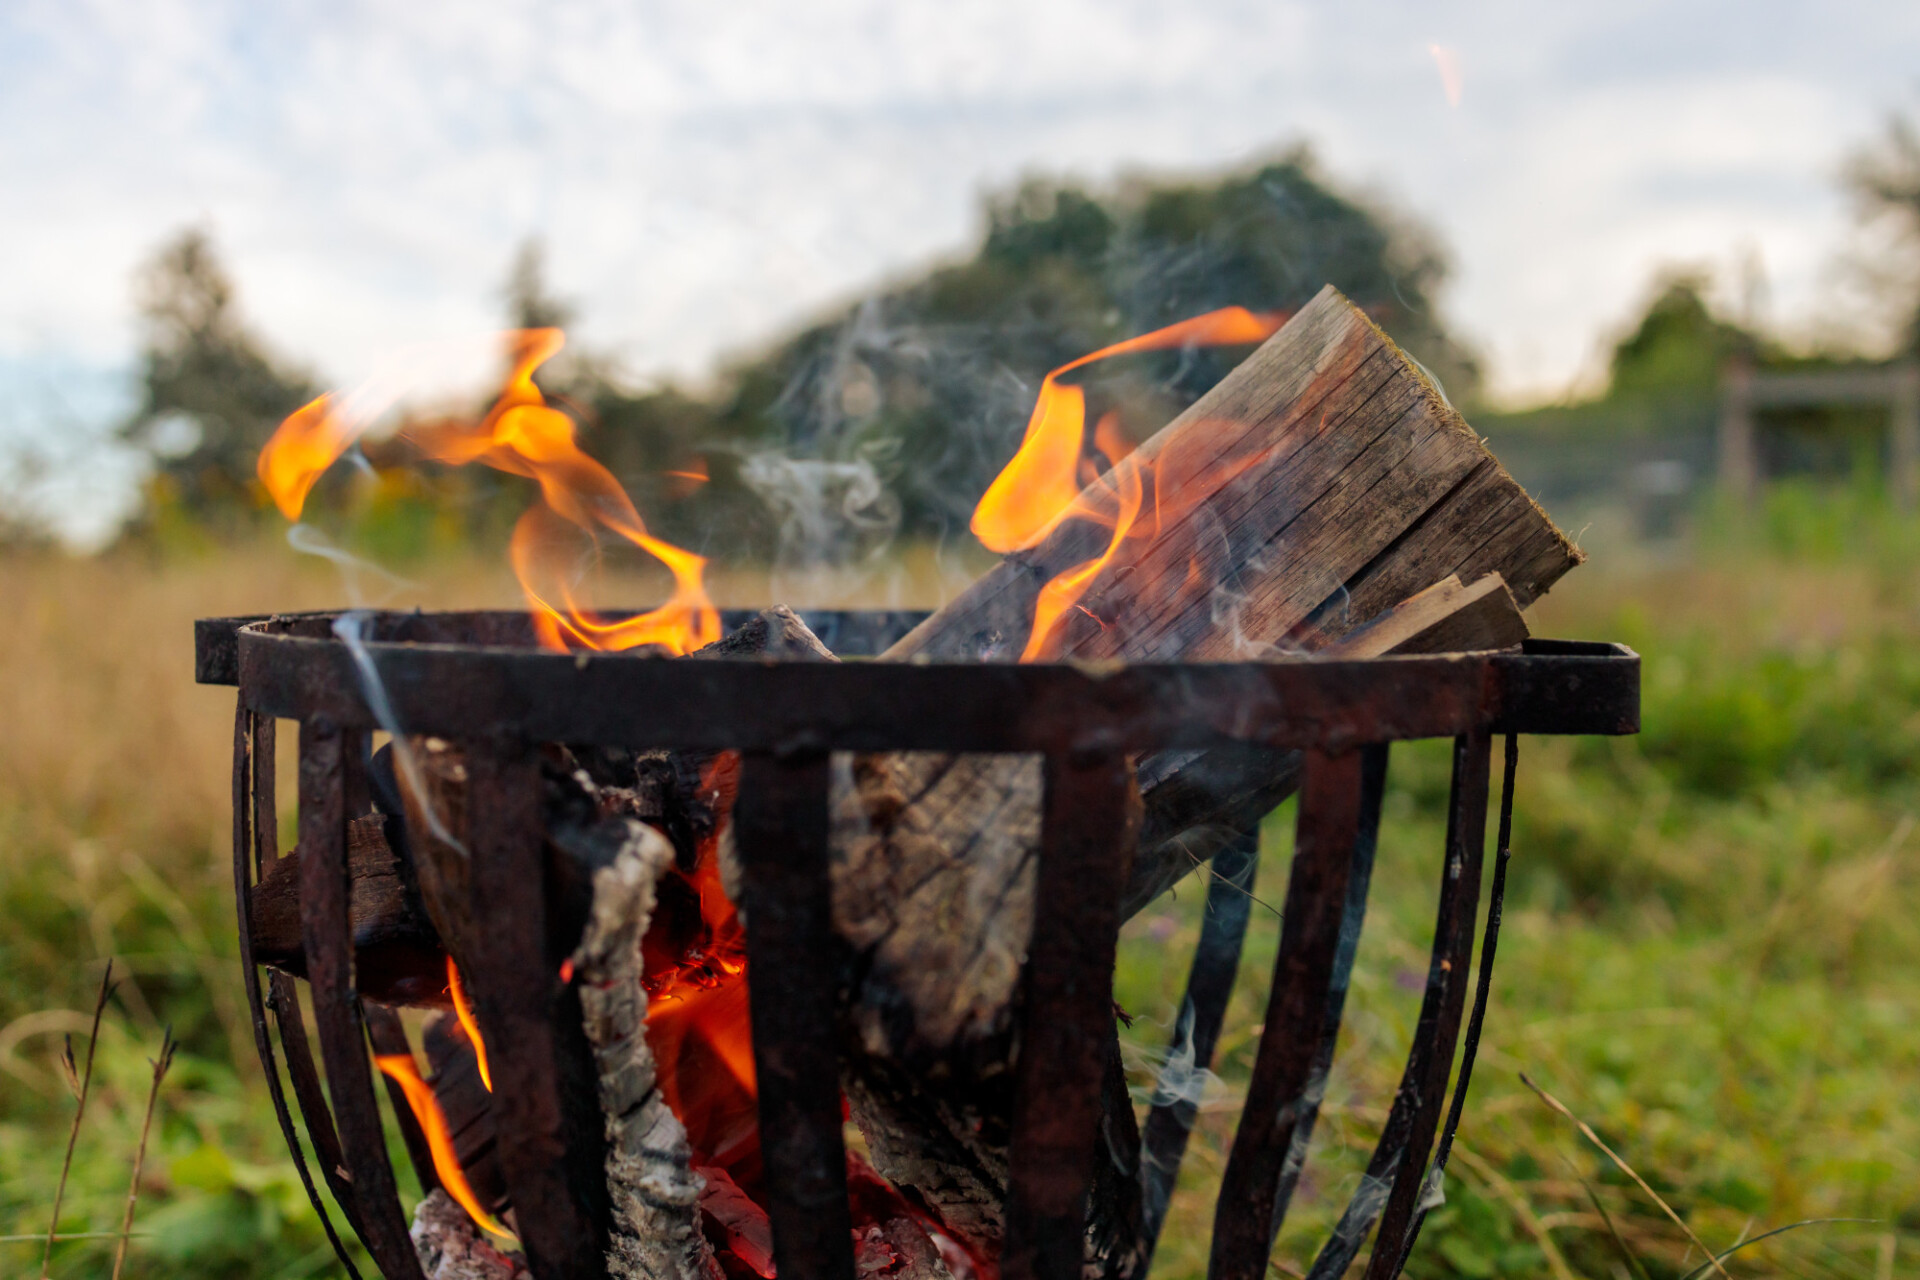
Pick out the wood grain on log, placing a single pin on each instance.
(1322, 482)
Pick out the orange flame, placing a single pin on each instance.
(1038, 488)
(522, 435)
(1050, 478)
(400, 1068)
(463, 1010)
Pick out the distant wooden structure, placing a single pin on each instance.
(1745, 391)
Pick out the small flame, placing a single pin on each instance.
(522, 435)
(400, 1068)
(1050, 479)
(1036, 490)
(463, 1009)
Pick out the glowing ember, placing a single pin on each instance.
(463, 1009)
(521, 435)
(400, 1068)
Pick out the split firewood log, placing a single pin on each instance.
(1322, 482)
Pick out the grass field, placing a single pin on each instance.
(1711, 955)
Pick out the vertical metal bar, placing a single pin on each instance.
(1277, 1099)
(266, 810)
(1089, 822)
(326, 932)
(353, 772)
(246, 782)
(1496, 901)
(548, 1129)
(1466, 842)
(1216, 962)
(781, 832)
(388, 1036)
(1373, 786)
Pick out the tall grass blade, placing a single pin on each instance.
(167, 1045)
(79, 1111)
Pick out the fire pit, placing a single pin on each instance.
(479, 681)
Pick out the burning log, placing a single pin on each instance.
(1322, 482)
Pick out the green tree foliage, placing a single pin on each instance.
(896, 413)
(210, 392)
(1679, 347)
(1885, 178)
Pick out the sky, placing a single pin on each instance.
(707, 176)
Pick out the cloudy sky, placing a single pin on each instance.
(705, 175)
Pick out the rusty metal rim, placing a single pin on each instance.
(460, 691)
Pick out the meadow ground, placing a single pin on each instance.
(1712, 948)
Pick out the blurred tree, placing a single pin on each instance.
(1884, 177)
(1679, 347)
(210, 392)
(900, 410)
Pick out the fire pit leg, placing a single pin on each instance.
(327, 933)
(549, 1131)
(1090, 821)
(781, 833)
(1278, 1098)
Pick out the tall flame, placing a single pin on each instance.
(522, 435)
(400, 1068)
(1050, 478)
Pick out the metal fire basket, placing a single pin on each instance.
(478, 679)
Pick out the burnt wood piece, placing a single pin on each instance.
(398, 958)
(329, 947)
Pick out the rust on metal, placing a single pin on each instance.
(475, 678)
(1087, 833)
(248, 763)
(781, 832)
(548, 1129)
(1466, 840)
(326, 934)
(1327, 834)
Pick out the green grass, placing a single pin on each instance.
(1712, 949)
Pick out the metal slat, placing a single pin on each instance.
(548, 1129)
(1496, 900)
(1216, 962)
(1466, 840)
(1089, 822)
(781, 832)
(1373, 786)
(248, 763)
(326, 932)
(1303, 969)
